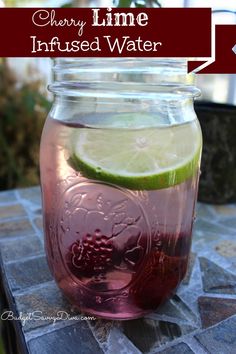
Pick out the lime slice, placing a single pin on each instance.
(120, 120)
(138, 159)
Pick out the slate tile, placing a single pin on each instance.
(214, 310)
(101, 329)
(32, 194)
(203, 210)
(229, 222)
(142, 333)
(206, 226)
(225, 210)
(184, 308)
(169, 312)
(146, 333)
(118, 343)
(191, 262)
(216, 279)
(174, 311)
(21, 275)
(203, 240)
(7, 196)
(220, 338)
(77, 338)
(43, 306)
(39, 223)
(9, 211)
(180, 348)
(19, 248)
(226, 248)
(21, 227)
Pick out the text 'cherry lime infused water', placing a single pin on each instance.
(118, 203)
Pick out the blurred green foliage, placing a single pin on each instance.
(1, 346)
(127, 3)
(138, 3)
(22, 114)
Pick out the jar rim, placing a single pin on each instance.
(107, 64)
(126, 76)
(129, 90)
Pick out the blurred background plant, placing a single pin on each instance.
(117, 3)
(137, 3)
(23, 109)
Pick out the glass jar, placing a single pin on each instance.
(120, 155)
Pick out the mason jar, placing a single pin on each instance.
(120, 155)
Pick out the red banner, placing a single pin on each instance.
(224, 55)
(105, 32)
(112, 32)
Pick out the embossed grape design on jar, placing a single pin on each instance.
(119, 163)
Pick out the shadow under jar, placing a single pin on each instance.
(120, 155)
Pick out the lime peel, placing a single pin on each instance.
(138, 159)
(145, 182)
